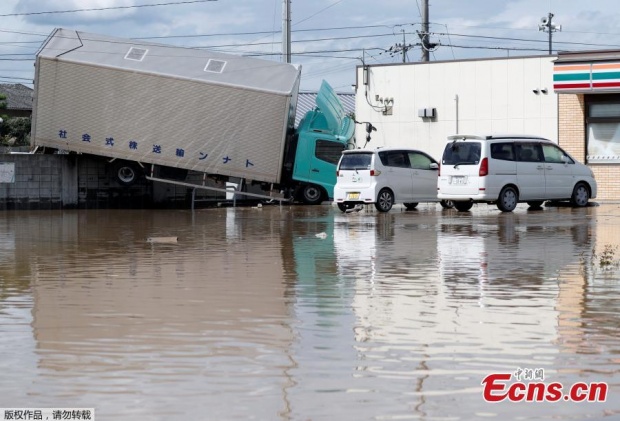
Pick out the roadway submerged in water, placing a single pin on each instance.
(306, 312)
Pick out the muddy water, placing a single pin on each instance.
(304, 313)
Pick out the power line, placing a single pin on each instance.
(320, 11)
(105, 8)
(228, 34)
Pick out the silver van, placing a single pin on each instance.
(507, 170)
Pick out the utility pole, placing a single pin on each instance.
(399, 48)
(404, 48)
(424, 34)
(286, 31)
(545, 25)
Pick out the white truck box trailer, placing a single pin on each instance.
(157, 104)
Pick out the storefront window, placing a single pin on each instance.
(603, 129)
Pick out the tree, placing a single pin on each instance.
(3, 106)
(14, 131)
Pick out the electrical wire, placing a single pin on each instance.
(105, 8)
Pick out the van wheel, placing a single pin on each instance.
(410, 206)
(447, 204)
(126, 173)
(312, 194)
(508, 199)
(581, 195)
(463, 206)
(535, 204)
(385, 200)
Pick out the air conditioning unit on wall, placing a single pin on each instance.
(427, 112)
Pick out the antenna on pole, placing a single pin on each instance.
(545, 25)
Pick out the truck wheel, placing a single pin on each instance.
(126, 173)
(312, 194)
(410, 206)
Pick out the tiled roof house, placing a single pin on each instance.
(18, 100)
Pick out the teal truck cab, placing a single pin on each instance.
(315, 148)
(228, 119)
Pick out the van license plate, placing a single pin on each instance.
(459, 180)
(353, 196)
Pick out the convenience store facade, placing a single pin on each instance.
(588, 88)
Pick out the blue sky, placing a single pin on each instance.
(330, 37)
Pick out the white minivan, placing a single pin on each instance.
(506, 170)
(384, 177)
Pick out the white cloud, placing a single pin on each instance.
(482, 29)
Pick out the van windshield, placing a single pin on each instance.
(356, 161)
(461, 153)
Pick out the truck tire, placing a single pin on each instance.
(126, 173)
(312, 194)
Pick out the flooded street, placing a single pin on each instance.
(306, 313)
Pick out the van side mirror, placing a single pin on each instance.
(434, 166)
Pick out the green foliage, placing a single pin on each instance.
(603, 261)
(15, 131)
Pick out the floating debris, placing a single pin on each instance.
(162, 240)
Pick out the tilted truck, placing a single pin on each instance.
(145, 106)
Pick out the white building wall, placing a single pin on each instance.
(493, 96)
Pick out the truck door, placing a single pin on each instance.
(316, 162)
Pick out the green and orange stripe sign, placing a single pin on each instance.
(586, 77)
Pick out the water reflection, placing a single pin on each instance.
(303, 312)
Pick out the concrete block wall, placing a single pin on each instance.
(49, 181)
(572, 137)
(38, 182)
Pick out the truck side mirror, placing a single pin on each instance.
(369, 129)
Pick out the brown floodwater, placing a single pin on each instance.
(306, 313)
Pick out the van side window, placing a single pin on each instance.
(554, 154)
(529, 152)
(502, 151)
(419, 161)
